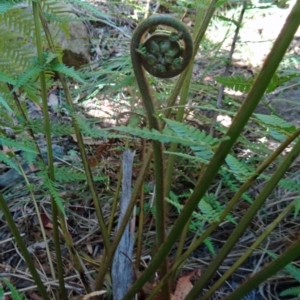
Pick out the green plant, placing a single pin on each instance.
(15, 294)
(167, 51)
(292, 271)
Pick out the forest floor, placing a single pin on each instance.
(256, 37)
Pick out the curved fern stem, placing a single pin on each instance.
(148, 103)
(164, 56)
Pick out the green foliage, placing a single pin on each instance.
(272, 121)
(292, 271)
(294, 291)
(20, 68)
(237, 83)
(197, 225)
(27, 147)
(53, 189)
(180, 133)
(239, 170)
(243, 84)
(18, 62)
(68, 71)
(65, 174)
(297, 207)
(9, 161)
(14, 292)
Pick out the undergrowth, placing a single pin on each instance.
(222, 163)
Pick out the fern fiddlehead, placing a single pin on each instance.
(164, 54)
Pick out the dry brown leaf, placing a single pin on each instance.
(184, 286)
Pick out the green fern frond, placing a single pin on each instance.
(26, 146)
(61, 129)
(7, 160)
(52, 188)
(68, 71)
(279, 80)
(32, 72)
(55, 8)
(88, 129)
(18, 21)
(292, 270)
(209, 244)
(175, 203)
(276, 122)
(208, 212)
(294, 291)
(212, 200)
(168, 136)
(240, 171)
(204, 141)
(189, 157)
(237, 83)
(29, 157)
(16, 40)
(243, 84)
(4, 103)
(57, 128)
(6, 5)
(232, 184)
(7, 79)
(289, 184)
(194, 134)
(65, 174)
